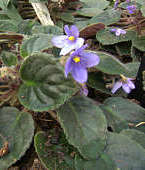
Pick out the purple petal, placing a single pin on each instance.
(74, 30)
(131, 9)
(79, 42)
(79, 73)
(131, 84)
(89, 59)
(79, 50)
(116, 4)
(67, 48)
(123, 31)
(117, 33)
(116, 86)
(126, 88)
(113, 30)
(67, 30)
(59, 41)
(71, 46)
(68, 66)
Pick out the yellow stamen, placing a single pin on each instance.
(76, 59)
(71, 38)
(123, 77)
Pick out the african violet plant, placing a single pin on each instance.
(84, 71)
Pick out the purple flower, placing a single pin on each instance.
(69, 41)
(126, 84)
(116, 4)
(131, 9)
(128, 1)
(78, 62)
(118, 31)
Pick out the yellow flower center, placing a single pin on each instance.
(124, 79)
(71, 38)
(76, 59)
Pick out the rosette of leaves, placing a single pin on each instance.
(44, 85)
(16, 128)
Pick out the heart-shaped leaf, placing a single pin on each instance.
(84, 126)
(17, 128)
(45, 86)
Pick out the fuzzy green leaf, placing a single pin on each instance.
(143, 9)
(133, 69)
(103, 163)
(45, 86)
(135, 135)
(107, 17)
(35, 43)
(140, 2)
(139, 43)
(13, 14)
(97, 4)
(88, 12)
(18, 129)
(49, 29)
(8, 58)
(8, 25)
(111, 65)
(84, 126)
(127, 154)
(50, 155)
(67, 17)
(121, 113)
